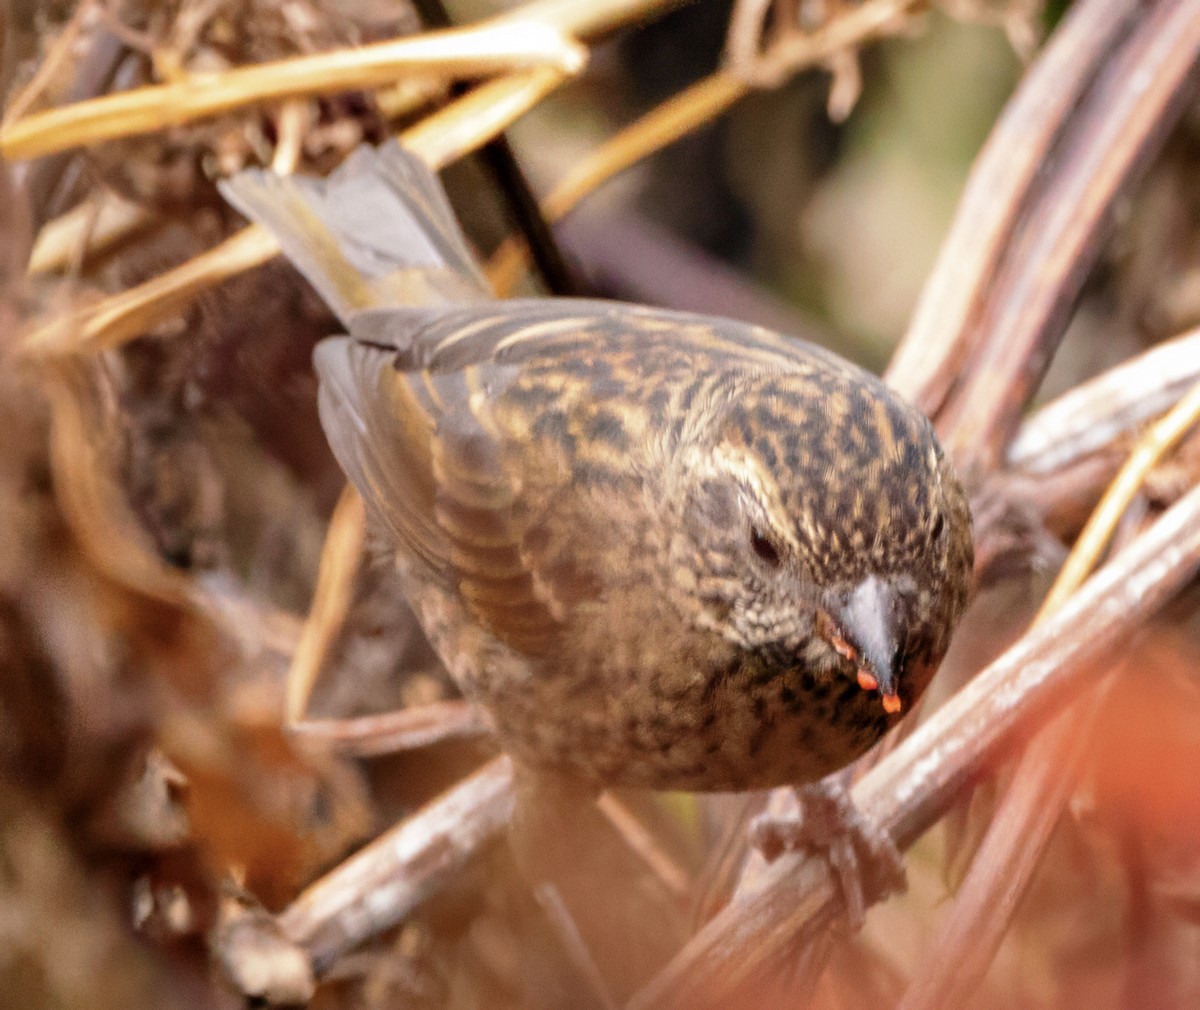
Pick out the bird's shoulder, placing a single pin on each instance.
(523, 331)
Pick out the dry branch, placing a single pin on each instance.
(1096, 413)
(942, 335)
(378, 886)
(1138, 95)
(970, 935)
(468, 52)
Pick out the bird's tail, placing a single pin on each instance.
(377, 233)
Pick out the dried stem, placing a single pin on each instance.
(340, 557)
(969, 936)
(86, 229)
(383, 882)
(1163, 436)
(1139, 93)
(469, 121)
(793, 48)
(534, 34)
(585, 18)
(675, 118)
(122, 317)
(57, 56)
(440, 138)
(1021, 826)
(403, 729)
(83, 424)
(467, 52)
(1096, 413)
(663, 125)
(674, 878)
(942, 335)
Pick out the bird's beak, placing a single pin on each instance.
(871, 619)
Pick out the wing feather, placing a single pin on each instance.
(382, 436)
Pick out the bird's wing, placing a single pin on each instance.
(381, 434)
(438, 475)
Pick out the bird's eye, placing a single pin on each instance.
(764, 547)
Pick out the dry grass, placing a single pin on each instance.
(228, 759)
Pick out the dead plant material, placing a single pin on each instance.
(1107, 141)
(1049, 769)
(384, 882)
(469, 52)
(120, 318)
(944, 331)
(257, 959)
(206, 675)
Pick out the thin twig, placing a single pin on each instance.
(379, 885)
(56, 57)
(340, 557)
(88, 228)
(1158, 440)
(467, 52)
(403, 729)
(791, 47)
(575, 946)
(673, 877)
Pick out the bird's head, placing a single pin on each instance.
(823, 530)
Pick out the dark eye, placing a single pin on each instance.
(936, 530)
(764, 547)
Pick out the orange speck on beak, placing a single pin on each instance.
(867, 681)
(891, 703)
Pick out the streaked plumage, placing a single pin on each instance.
(661, 549)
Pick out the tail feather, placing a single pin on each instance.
(377, 233)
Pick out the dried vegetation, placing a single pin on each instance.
(231, 767)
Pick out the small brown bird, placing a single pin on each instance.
(660, 549)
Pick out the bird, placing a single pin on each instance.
(659, 549)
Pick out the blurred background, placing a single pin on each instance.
(163, 506)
